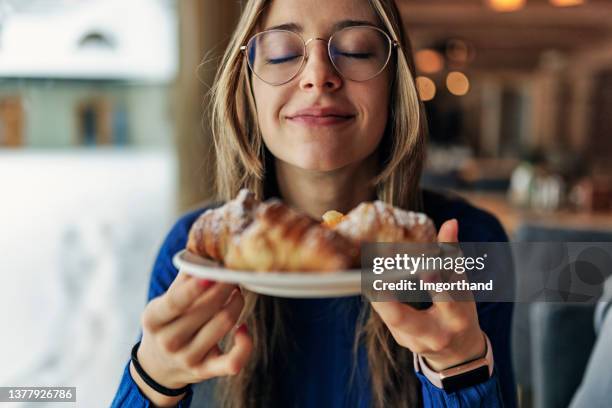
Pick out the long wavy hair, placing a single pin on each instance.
(242, 160)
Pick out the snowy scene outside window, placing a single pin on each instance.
(87, 176)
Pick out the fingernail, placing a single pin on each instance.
(205, 283)
(456, 221)
(242, 329)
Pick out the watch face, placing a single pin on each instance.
(467, 379)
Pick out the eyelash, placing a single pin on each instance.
(362, 55)
(275, 61)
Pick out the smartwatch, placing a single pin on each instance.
(462, 375)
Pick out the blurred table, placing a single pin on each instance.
(512, 217)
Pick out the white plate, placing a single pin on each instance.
(282, 284)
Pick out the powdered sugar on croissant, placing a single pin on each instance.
(381, 222)
(283, 239)
(210, 234)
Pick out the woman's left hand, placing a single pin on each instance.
(447, 333)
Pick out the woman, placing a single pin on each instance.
(315, 103)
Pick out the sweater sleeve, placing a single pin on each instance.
(486, 394)
(128, 394)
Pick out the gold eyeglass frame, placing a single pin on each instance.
(392, 45)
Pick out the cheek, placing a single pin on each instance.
(264, 100)
(374, 102)
(269, 101)
(379, 111)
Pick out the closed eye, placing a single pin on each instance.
(356, 55)
(274, 61)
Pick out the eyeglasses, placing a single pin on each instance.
(358, 53)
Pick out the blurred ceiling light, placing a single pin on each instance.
(426, 88)
(506, 5)
(457, 83)
(566, 3)
(429, 61)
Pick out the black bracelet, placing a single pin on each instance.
(170, 392)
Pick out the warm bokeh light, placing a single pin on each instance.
(429, 61)
(566, 3)
(506, 5)
(426, 88)
(457, 83)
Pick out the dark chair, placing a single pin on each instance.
(551, 341)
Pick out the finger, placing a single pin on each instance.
(216, 296)
(183, 291)
(398, 316)
(176, 334)
(233, 361)
(449, 231)
(213, 331)
(441, 292)
(214, 352)
(445, 299)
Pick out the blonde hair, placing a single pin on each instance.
(244, 161)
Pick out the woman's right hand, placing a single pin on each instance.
(181, 330)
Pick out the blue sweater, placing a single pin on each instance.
(324, 332)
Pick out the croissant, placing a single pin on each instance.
(283, 239)
(381, 222)
(210, 234)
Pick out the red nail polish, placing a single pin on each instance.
(205, 283)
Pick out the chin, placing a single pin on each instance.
(319, 157)
(321, 163)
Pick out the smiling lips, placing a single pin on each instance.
(320, 116)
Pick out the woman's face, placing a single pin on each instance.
(320, 121)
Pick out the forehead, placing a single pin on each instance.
(317, 17)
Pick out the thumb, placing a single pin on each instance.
(449, 231)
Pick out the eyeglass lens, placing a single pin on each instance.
(357, 53)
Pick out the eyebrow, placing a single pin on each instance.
(337, 26)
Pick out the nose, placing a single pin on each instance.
(318, 72)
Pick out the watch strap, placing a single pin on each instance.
(444, 379)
